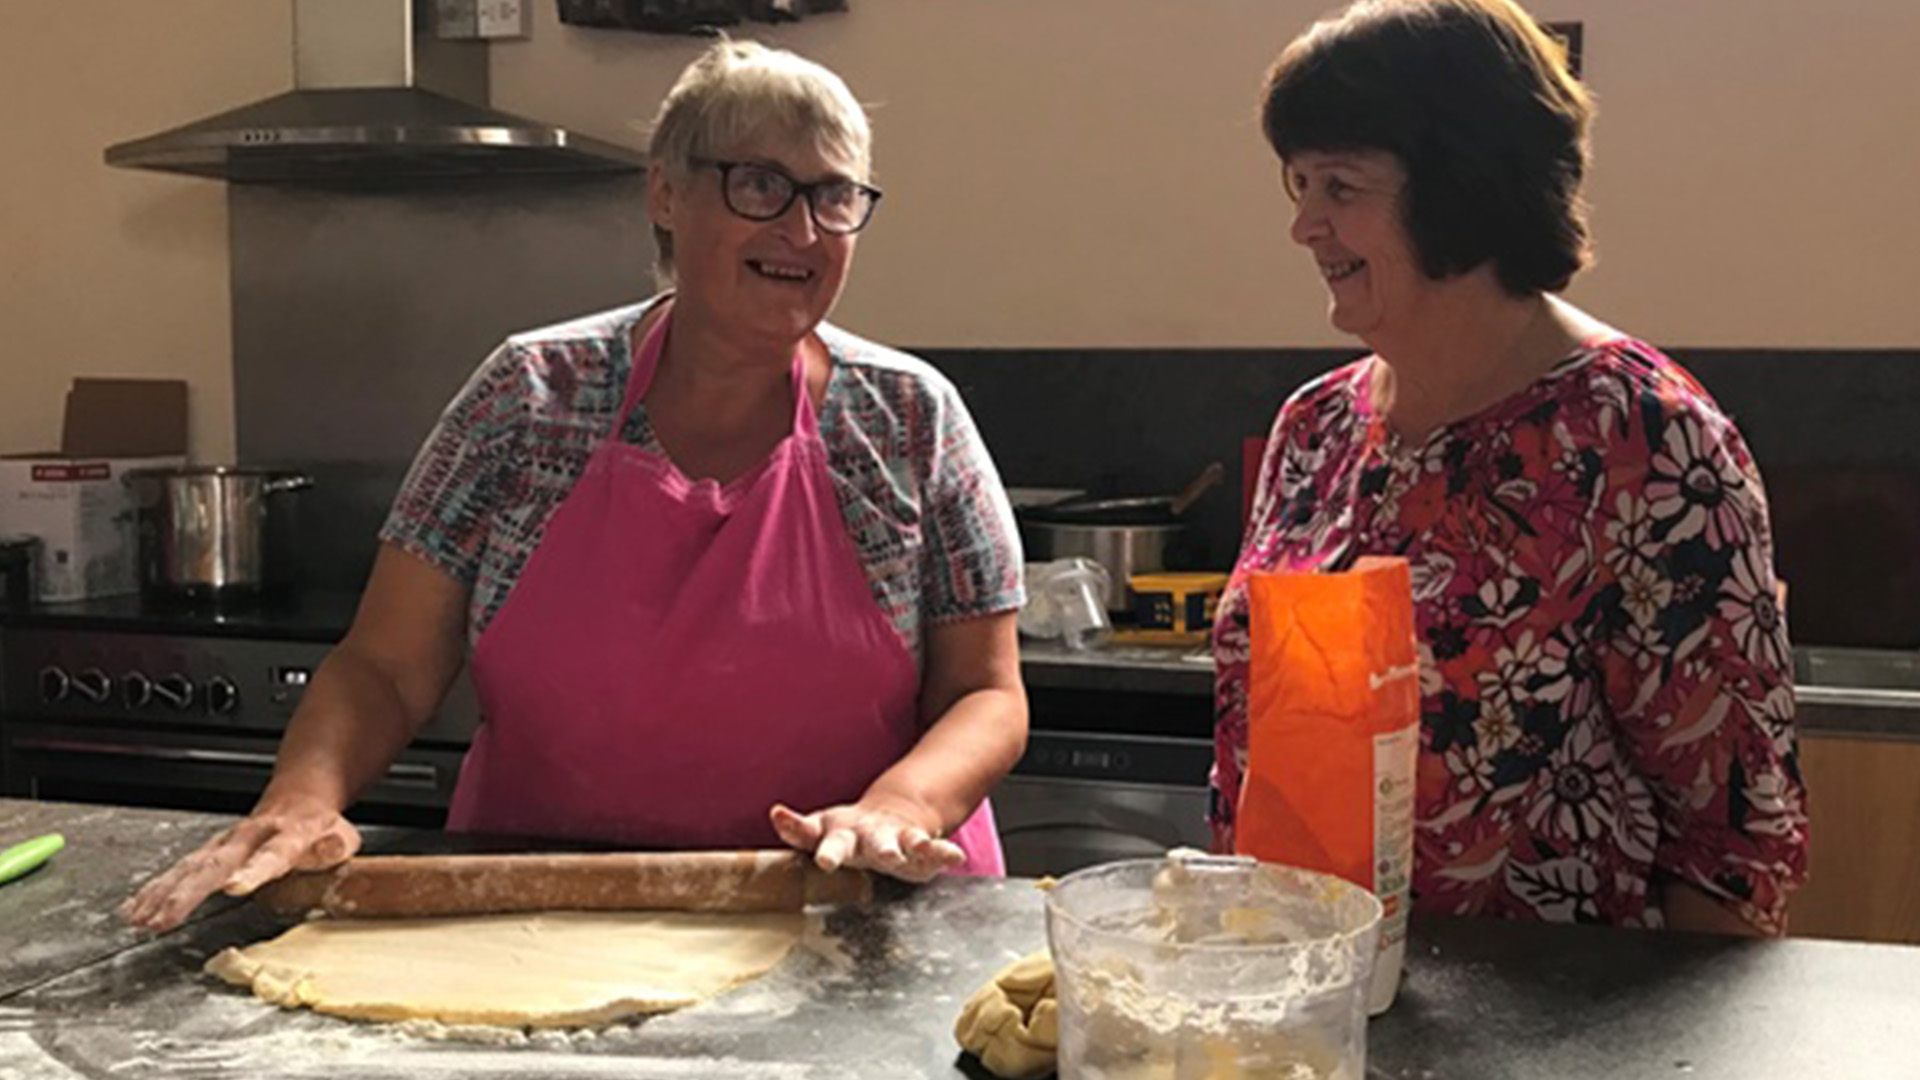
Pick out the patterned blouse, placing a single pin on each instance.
(1606, 690)
(920, 496)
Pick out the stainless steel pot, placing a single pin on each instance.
(1124, 550)
(19, 562)
(203, 529)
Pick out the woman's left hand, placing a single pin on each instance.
(873, 834)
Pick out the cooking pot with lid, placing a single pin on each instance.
(203, 529)
(1128, 536)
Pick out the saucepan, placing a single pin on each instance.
(1127, 535)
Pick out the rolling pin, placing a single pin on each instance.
(407, 885)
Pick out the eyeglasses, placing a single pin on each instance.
(762, 193)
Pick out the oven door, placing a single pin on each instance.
(139, 766)
(1079, 799)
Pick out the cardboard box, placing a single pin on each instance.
(74, 499)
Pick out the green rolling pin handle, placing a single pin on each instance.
(21, 858)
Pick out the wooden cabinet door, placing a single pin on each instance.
(1864, 881)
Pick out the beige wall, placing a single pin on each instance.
(1060, 172)
(103, 271)
(1072, 172)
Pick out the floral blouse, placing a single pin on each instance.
(1606, 690)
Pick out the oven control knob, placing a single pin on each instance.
(54, 685)
(175, 690)
(94, 685)
(222, 695)
(136, 690)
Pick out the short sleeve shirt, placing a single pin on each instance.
(915, 485)
(1606, 685)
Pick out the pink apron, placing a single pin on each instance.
(677, 656)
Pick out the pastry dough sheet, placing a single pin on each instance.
(548, 969)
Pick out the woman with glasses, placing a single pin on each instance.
(1608, 716)
(727, 576)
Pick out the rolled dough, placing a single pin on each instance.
(552, 969)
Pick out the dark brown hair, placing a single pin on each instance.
(1476, 101)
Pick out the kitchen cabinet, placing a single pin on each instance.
(1864, 796)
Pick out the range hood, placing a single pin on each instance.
(374, 99)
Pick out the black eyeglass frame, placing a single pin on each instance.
(796, 190)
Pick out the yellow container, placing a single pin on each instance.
(1173, 607)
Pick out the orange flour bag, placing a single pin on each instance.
(1333, 731)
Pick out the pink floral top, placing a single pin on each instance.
(1606, 688)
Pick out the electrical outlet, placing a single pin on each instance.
(484, 20)
(503, 18)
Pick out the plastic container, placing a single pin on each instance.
(1211, 966)
(1066, 600)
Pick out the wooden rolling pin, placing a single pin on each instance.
(406, 885)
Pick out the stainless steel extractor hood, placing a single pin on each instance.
(374, 100)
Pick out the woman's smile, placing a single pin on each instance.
(786, 273)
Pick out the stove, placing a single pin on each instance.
(140, 701)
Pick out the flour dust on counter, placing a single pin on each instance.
(870, 993)
(188, 1030)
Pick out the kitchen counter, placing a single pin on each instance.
(1846, 692)
(1152, 669)
(1854, 693)
(60, 917)
(877, 996)
(323, 616)
(874, 994)
(1852, 713)
(1872, 694)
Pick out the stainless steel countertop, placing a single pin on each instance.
(1853, 693)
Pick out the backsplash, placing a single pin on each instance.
(1833, 432)
(358, 315)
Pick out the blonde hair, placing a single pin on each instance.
(739, 91)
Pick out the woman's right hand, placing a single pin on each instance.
(267, 844)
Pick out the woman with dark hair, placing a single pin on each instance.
(1607, 707)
